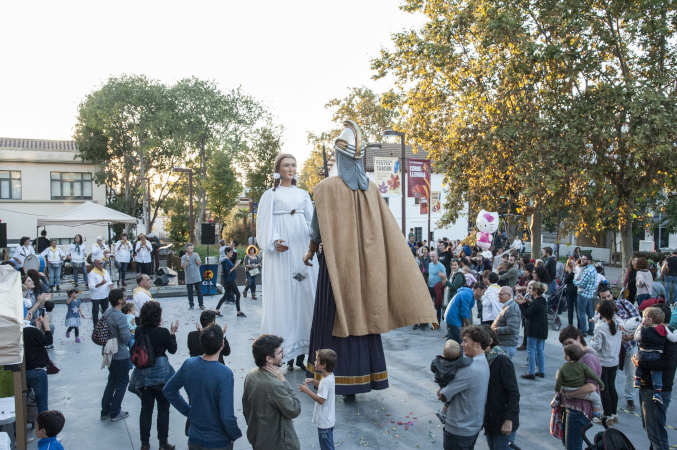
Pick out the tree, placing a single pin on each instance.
(563, 104)
(223, 188)
(258, 161)
(309, 175)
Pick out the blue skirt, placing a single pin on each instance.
(361, 364)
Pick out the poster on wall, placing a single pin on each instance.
(418, 182)
(387, 176)
(436, 202)
(423, 206)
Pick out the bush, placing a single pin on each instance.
(658, 257)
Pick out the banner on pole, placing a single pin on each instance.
(436, 202)
(423, 207)
(387, 175)
(418, 183)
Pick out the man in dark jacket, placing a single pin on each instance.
(551, 269)
(652, 413)
(502, 409)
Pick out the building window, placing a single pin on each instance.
(71, 186)
(418, 233)
(10, 184)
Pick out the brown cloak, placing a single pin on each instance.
(376, 281)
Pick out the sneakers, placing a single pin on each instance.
(191, 307)
(614, 418)
(244, 294)
(442, 416)
(528, 376)
(105, 416)
(540, 374)
(121, 415)
(631, 405)
(241, 314)
(218, 313)
(638, 383)
(77, 339)
(657, 398)
(416, 327)
(58, 288)
(202, 307)
(68, 334)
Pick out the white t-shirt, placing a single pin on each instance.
(324, 415)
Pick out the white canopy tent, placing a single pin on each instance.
(87, 213)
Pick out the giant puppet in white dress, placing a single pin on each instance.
(283, 233)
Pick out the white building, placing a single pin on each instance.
(43, 178)
(413, 218)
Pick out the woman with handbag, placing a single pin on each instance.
(36, 338)
(252, 263)
(77, 253)
(148, 382)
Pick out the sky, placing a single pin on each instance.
(294, 56)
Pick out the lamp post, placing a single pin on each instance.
(190, 196)
(146, 200)
(387, 133)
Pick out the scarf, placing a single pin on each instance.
(143, 290)
(100, 272)
(77, 248)
(54, 250)
(497, 350)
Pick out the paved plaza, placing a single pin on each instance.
(402, 416)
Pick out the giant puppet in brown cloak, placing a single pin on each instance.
(369, 283)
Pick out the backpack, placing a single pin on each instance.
(611, 439)
(101, 333)
(142, 354)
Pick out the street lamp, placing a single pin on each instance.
(190, 195)
(146, 200)
(388, 133)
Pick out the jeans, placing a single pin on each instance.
(251, 283)
(455, 442)
(123, 271)
(670, 284)
(454, 332)
(36, 379)
(231, 290)
(54, 274)
(653, 415)
(535, 354)
(583, 308)
(199, 447)
(76, 272)
(656, 376)
(552, 287)
(571, 307)
(609, 394)
(574, 424)
(143, 268)
(197, 286)
(118, 378)
(629, 369)
(510, 351)
(149, 395)
(500, 441)
(642, 297)
(103, 303)
(326, 438)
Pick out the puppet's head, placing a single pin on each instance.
(487, 222)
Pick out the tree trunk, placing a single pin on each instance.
(146, 198)
(626, 242)
(535, 227)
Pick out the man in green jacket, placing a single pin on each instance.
(512, 274)
(269, 402)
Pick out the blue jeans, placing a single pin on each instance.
(118, 379)
(455, 442)
(653, 415)
(123, 271)
(642, 297)
(54, 274)
(535, 354)
(574, 424)
(326, 438)
(583, 308)
(656, 376)
(552, 287)
(510, 351)
(251, 283)
(76, 272)
(454, 332)
(500, 441)
(197, 286)
(670, 284)
(36, 379)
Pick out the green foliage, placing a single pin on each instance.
(258, 160)
(223, 188)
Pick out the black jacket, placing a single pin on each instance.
(572, 289)
(195, 348)
(34, 347)
(666, 364)
(503, 396)
(160, 338)
(536, 314)
(551, 268)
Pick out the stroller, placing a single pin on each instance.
(609, 438)
(557, 304)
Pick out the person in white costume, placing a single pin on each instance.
(288, 285)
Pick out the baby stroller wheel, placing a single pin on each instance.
(556, 324)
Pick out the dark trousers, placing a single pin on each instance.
(571, 307)
(231, 290)
(198, 287)
(103, 303)
(251, 283)
(143, 268)
(150, 395)
(455, 442)
(453, 332)
(118, 379)
(123, 271)
(609, 394)
(653, 417)
(77, 330)
(433, 296)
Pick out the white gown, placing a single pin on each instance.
(288, 285)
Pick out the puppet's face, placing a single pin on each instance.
(487, 222)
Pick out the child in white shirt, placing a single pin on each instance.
(324, 414)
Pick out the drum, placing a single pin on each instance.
(36, 262)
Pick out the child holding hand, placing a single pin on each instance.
(324, 415)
